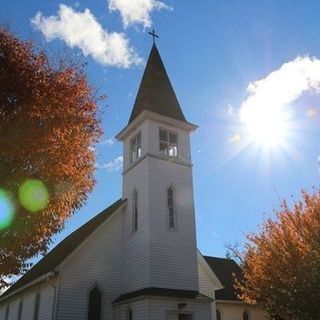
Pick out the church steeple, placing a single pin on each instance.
(155, 92)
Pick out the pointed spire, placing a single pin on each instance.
(155, 92)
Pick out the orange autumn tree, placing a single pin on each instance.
(48, 123)
(282, 262)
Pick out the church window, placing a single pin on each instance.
(135, 148)
(36, 307)
(95, 304)
(168, 142)
(218, 315)
(184, 316)
(245, 315)
(129, 314)
(7, 313)
(135, 211)
(171, 214)
(20, 310)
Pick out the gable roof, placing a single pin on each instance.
(224, 269)
(155, 92)
(64, 248)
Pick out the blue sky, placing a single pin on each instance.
(213, 52)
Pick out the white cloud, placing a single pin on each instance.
(108, 142)
(113, 165)
(281, 87)
(136, 11)
(82, 30)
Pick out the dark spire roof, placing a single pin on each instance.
(155, 92)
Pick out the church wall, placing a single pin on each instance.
(206, 286)
(139, 310)
(47, 298)
(163, 309)
(97, 261)
(233, 311)
(13, 310)
(160, 309)
(135, 259)
(28, 306)
(147, 259)
(173, 252)
(46, 303)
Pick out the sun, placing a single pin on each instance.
(268, 126)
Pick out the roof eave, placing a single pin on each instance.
(44, 278)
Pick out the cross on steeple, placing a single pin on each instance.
(154, 35)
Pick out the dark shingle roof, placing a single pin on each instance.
(224, 269)
(162, 292)
(64, 248)
(155, 92)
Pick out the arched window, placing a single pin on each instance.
(95, 304)
(135, 211)
(129, 314)
(20, 310)
(7, 313)
(245, 315)
(218, 315)
(36, 307)
(171, 213)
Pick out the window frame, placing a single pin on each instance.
(171, 205)
(245, 315)
(190, 315)
(7, 312)
(129, 314)
(135, 147)
(135, 210)
(169, 144)
(95, 286)
(36, 306)
(19, 316)
(218, 314)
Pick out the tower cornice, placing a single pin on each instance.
(149, 115)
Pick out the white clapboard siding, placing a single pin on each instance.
(13, 310)
(97, 261)
(206, 286)
(156, 256)
(46, 302)
(28, 305)
(140, 310)
(173, 253)
(2, 311)
(162, 308)
(233, 311)
(135, 258)
(47, 297)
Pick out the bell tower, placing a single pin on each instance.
(159, 237)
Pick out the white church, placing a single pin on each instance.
(137, 259)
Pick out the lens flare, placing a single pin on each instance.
(33, 195)
(7, 213)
